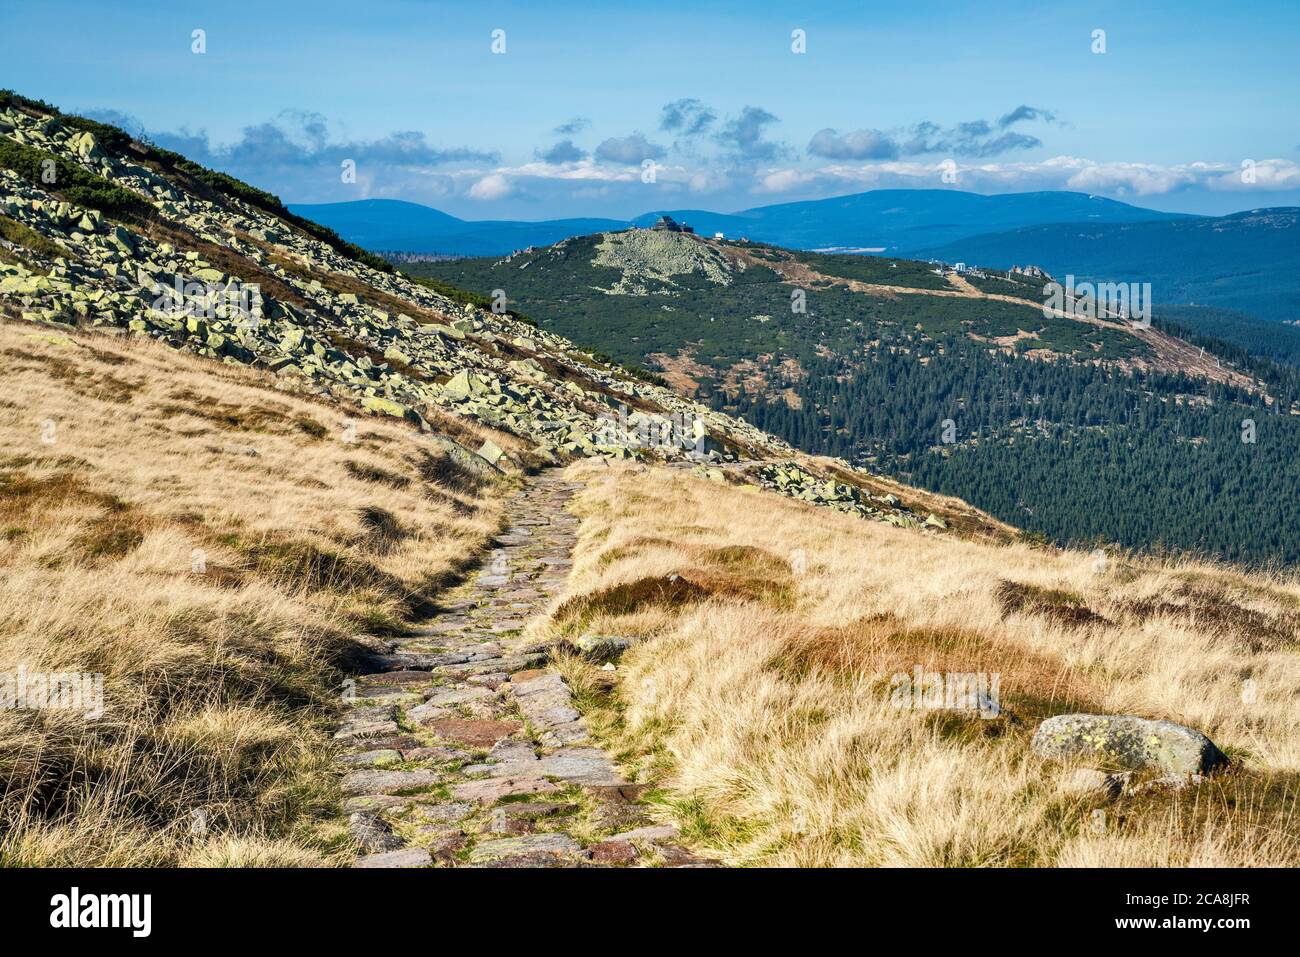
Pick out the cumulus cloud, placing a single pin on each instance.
(742, 137)
(726, 164)
(1022, 113)
(300, 139)
(564, 151)
(1140, 179)
(859, 145)
(492, 186)
(630, 150)
(295, 155)
(686, 117)
(974, 138)
(124, 121)
(1272, 175)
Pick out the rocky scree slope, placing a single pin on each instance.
(116, 239)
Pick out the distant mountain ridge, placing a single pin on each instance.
(1247, 261)
(897, 220)
(393, 224)
(904, 221)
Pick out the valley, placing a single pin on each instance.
(885, 352)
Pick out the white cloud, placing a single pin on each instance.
(1060, 172)
(492, 186)
(1269, 175)
(702, 180)
(785, 180)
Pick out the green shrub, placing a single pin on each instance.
(27, 237)
(72, 182)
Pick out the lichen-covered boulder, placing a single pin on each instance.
(123, 240)
(463, 456)
(382, 406)
(602, 647)
(490, 452)
(463, 385)
(87, 146)
(447, 332)
(1128, 742)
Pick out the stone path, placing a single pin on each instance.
(463, 746)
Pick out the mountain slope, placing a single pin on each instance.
(959, 383)
(218, 550)
(1245, 261)
(788, 728)
(236, 460)
(217, 269)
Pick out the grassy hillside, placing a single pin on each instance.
(219, 551)
(239, 463)
(759, 705)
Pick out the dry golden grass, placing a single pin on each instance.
(217, 550)
(764, 718)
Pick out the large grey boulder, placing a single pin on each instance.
(1128, 742)
(463, 456)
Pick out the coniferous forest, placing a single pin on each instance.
(1079, 452)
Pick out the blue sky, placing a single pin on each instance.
(987, 97)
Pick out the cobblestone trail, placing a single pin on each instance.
(463, 746)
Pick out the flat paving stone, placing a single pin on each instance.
(376, 802)
(406, 857)
(388, 782)
(373, 730)
(397, 742)
(373, 833)
(370, 758)
(551, 844)
(436, 753)
(490, 790)
(445, 697)
(475, 732)
(447, 812)
(655, 832)
(588, 766)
